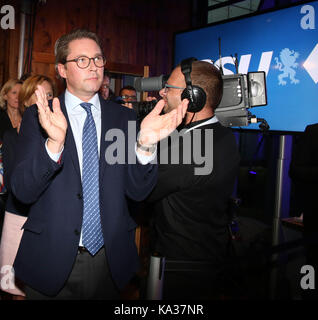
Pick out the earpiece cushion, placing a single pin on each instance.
(199, 98)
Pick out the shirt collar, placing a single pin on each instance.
(200, 123)
(72, 102)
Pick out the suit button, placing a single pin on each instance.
(77, 233)
(80, 196)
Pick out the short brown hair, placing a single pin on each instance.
(130, 88)
(28, 89)
(61, 48)
(209, 78)
(5, 89)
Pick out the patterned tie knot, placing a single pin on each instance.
(86, 106)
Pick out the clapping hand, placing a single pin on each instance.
(53, 122)
(155, 126)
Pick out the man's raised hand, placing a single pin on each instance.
(53, 122)
(155, 126)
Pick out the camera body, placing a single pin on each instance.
(241, 92)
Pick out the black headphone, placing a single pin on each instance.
(195, 94)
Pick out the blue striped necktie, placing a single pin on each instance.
(92, 236)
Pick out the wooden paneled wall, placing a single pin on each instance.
(133, 32)
(9, 45)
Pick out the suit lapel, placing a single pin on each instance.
(69, 146)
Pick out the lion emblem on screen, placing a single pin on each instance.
(287, 64)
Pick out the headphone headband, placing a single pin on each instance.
(195, 94)
(186, 66)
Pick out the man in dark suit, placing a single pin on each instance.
(190, 200)
(78, 241)
(304, 173)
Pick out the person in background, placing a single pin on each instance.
(105, 90)
(303, 171)
(127, 95)
(15, 211)
(10, 116)
(27, 95)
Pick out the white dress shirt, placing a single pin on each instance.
(77, 116)
(214, 119)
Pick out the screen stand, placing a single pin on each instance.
(281, 208)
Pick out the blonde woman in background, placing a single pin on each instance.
(10, 116)
(16, 212)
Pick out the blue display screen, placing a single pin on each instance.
(282, 43)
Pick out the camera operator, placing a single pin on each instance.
(190, 221)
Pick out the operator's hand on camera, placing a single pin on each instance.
(155, 126)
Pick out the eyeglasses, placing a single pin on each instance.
(49, 95)
(167, 86)
(105, 86)
(129, 97)
(83, 61)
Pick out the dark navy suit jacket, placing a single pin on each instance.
(304, 173)
(52, 232)
(9, 150)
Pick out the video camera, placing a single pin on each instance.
(240, 92)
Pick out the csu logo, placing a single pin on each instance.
(287, 64)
